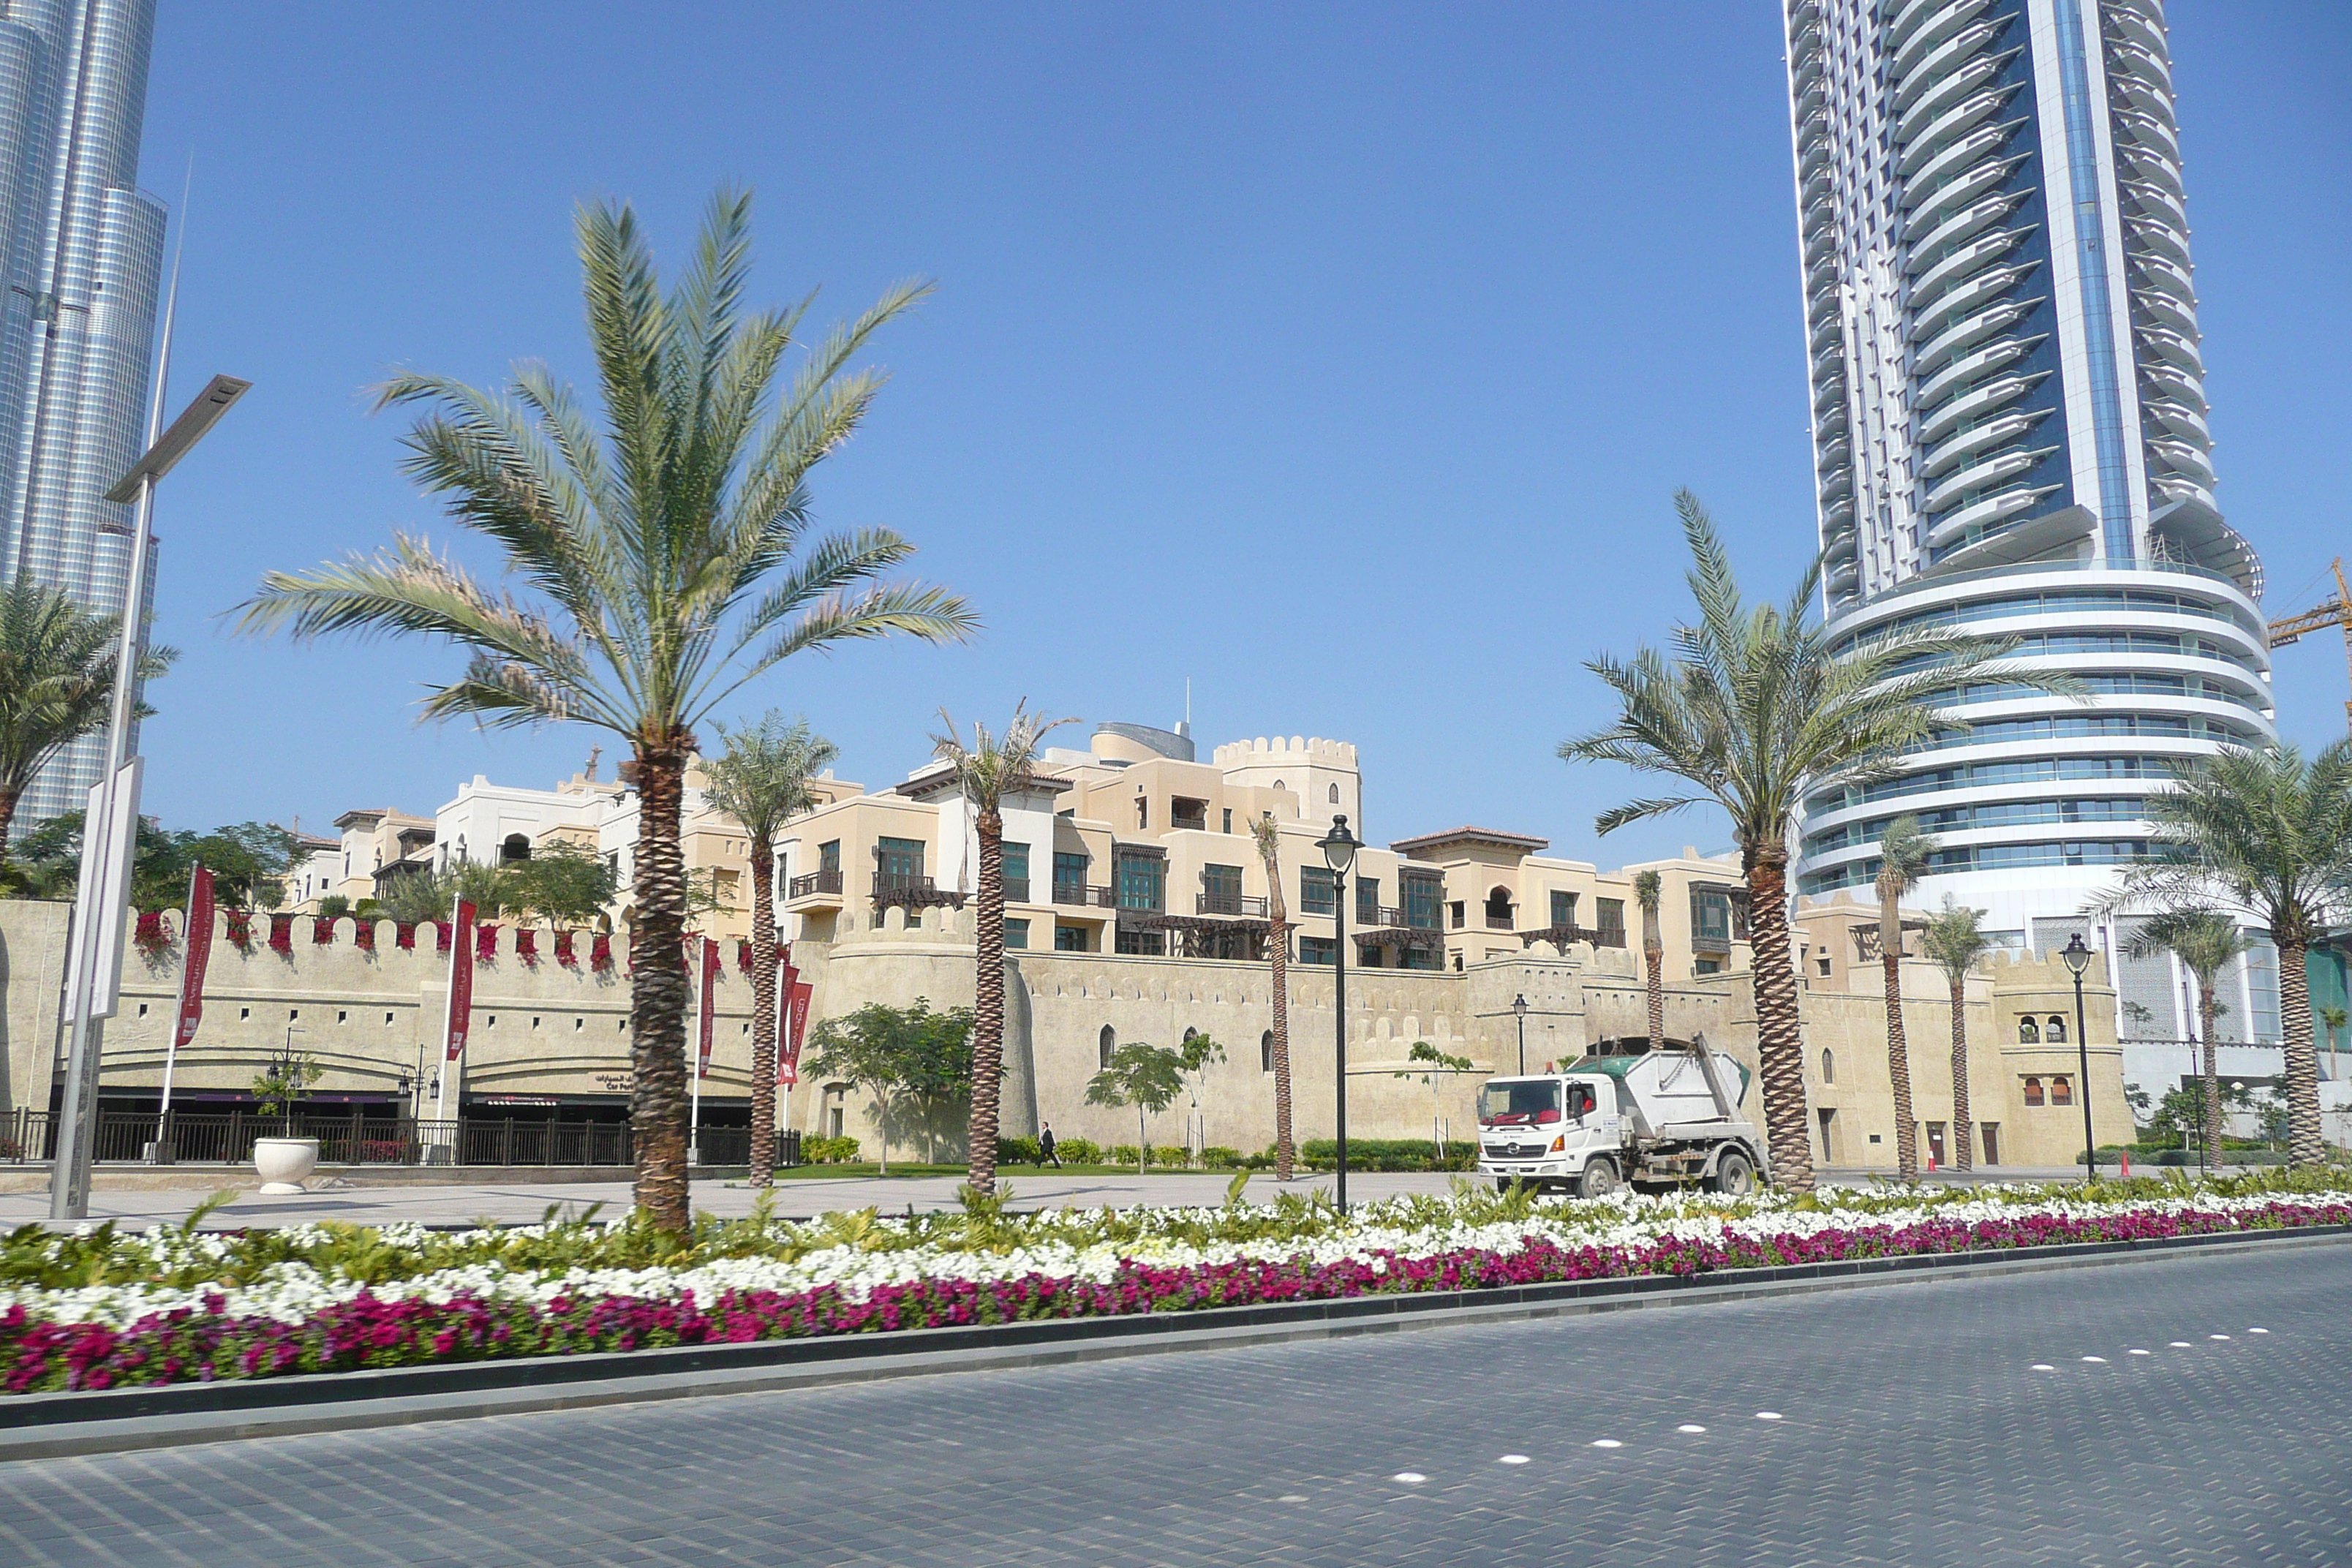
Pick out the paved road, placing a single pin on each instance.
(522, 1201)
(1914, 1429)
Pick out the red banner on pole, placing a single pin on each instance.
(461, 983)
(711, 969)
(786, 978)
(801, 992)
(200, 954)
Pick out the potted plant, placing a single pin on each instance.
(284, 1162)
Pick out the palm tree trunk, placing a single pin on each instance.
(657, 990)
(763, 1012)
(1779, 1044)
(1654, 959)
(1277, 950)
(1898, 1050)
(2213, 1076)
(1963, 1123)
(2304, 1146)
(8, 799)
(988, 1005)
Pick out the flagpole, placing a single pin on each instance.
(694, 1116)
(456, 957)
(171, 1040)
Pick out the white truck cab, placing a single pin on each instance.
(1622, 1114)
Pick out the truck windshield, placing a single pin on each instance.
(1518, 1104)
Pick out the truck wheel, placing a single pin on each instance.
(1734, 1176)
(1599, 1179)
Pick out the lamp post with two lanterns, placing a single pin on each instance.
(2078, 959)
(1339, 848)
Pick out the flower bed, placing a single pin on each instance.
(103, 1310)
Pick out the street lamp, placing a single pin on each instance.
(1339, 848)
(1519, 1006)
(110, 821)
(2078, 959)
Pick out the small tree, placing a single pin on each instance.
(562, 883)
(1440, 1065)
(1196, 1053)
(2206, 941)
(894, 1054)
(1268, 836)
(431, 895)
(280, 1088)
(57, 682)
(1955, 941)
(1149, 1077)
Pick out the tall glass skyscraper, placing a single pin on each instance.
(2008, 430)
(82, 248)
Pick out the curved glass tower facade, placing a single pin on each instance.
(82, 249)
(2009, 425)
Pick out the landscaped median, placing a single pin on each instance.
(102, 1309)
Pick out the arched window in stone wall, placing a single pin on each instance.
(1266, 1052)
(2032, 1090)
(1828, 1068)
(2062, 1091)
(1109, 1043)
(2056, 1031)
(1335, 794)
(2029, 1033)
(516, 847)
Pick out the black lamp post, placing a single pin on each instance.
(1339, 848)
(1519, 1007)
(2078, 959)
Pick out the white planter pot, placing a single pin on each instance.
(283, 1162)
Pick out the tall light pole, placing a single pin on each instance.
(1519, 1007)
(2078, 959)
(1339, 848)
(110, 822)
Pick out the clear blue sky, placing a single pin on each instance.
(1343, 359)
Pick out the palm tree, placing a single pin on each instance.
(988, 770)
(667, 556)
(1268, 837)
(2335, 1018)
(1648, 887)
(1955, 941)
(1903, 852)
(2205, 941)
(1756, 711)
(56, 683)
(762, 780)
(2269, 835)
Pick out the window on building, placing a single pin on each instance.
(1421, 900)
(1142, 882)
(1229, 819)
(828, 856)
(516, 848)
(1016, 872)
(1142, 812)
(1016, 933)
(1823, 961)
(2055, 1032)
(1418, 958)
(1335, 794)
(2062, 1091)
(1498, 908)
(1221, 889)
(1322, 949)
(1142, 943)
(1711, 917)
(1609, 914)
(1265, 1051)
(2029, 1033)
(1069, 877)
(1069, 939)
(1458, 910)
(1563, 908)
(1706, 966)
(1367, 900)
(899, 860)
(1367, 957)
(1184, 812)
(1105, 1043)
(2032, 1090)
(1318, 891)
(1829, 1067)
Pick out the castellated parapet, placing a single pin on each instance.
(1313, 749)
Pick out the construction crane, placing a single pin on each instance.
(2336, 612)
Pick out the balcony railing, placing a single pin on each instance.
(1080, 895)
(1388, 917)
(1016, 890)
(814, 883)
(1244, 904)
(1500, 923)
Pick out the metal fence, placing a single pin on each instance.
(214, 1138)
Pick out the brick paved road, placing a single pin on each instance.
(1914, 1430)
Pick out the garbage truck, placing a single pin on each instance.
(1623, 1114)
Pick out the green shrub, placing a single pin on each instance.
(1217, 1157)
(1120, 1154)
(1175, 1157)
(1017, 1152)
(829, 1151)
(1388, 1155)
(1078, 1151)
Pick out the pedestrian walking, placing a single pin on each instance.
(1045, 1155)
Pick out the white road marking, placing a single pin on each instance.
(2217, 1336)
(1292, 1496)
(2041, 1367)
(1410, 1477)
(1768, 1415)
(2096, 1360)
(2258, 1331)
(1607, 1443)
(1513, 1459)
(2180, 1345)
(2143, 1353)
(1690, 1426)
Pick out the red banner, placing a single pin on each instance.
(200, 954)
(461, 983)
(709, 1021)
(801, 992)
(786, 978)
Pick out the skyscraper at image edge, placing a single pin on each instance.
(2009, 430)
(82, 249)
